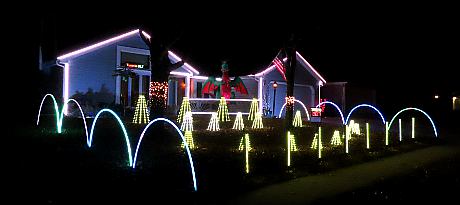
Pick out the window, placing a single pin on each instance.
(141, 61)
(199, 86)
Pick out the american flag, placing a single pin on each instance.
(280, 66)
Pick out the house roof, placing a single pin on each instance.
(101, 44)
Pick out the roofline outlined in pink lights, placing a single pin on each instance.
(308, 64)
(97, 45)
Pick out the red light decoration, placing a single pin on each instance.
(316, 112)
(290, 101)
(323, 106)
(130, 65)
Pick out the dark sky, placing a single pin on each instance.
(396, 50)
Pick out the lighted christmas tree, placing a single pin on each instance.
(239, 124)
(293, 145)
(189, 139)
(187, 124)
(314, 143)
(242, 143)
(297, 119)
(213, 123)
(223, 110)
(257, 123)
(254, 109)
(354, 128)
(184, 108)
(141, 116)
(336, 139)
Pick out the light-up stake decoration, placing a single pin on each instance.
(188, 140)
(386, 133)
(335, 140)
(254, 109)
(413, 128)
(257, 123)
(184, 108)
(242, 145)
(223, 110)
(187, 124)
(238, 124)
(400, 130)
(213, 123)
(247, 148)
(141, 116)
(320, 145)
(367, 135)
(297, 122)
(347, 137)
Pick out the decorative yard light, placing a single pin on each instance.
(141, 116)
(213, 123)
(257, 123)
(291, 147)
(246, 149)
(189, 140)
(275, 85)
(320, 146)
(223, 110)
(238, 124)
(297, 119)
(184, 108)
(242, 145)
(336, 141)
(347, 137)
(254, 109)
(367, 135)
(400, 130)
(386, 133)
(413, 128)
(187, 124)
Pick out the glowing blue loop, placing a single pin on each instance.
(301, 103)
(128, 144)
(190, 159)
(406, 109)
(56, 109)
(337, 107)
(364, 105)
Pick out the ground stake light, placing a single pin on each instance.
(223, 110)
(141, 116)
(297, 122)
(187, 124)
(336, 139)
(184, 108)
(213, 123)
(254, 109)
(239, 124)
(257, 123)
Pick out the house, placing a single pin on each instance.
(88, 76)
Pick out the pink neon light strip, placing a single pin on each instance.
(306, 62)
(209, 113)
(185, 64)
(97, 45)
(213, 99)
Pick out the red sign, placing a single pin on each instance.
(315, 112)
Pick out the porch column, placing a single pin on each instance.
(117, 89)
(129, 91)
(187, 86)
(260, 94)
(140, 86)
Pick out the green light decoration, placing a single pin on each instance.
(386, 133)
(336, 140)
(239, 124)
(189, 139)
(413, 128)
(400, 130)
(297, 122)
(184, 108)
(242, 145)
(141, 116)
(367, 135)
(257, 123)
(254, 109)
(187, 124)
(213, 123)
(223, 110)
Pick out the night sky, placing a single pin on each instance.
(406, 53)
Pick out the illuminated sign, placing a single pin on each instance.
(315, 114)
(132, 65)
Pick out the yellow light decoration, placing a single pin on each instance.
(413, 128)
(189, 140)
(386, 133)
(320, 145)
(400, 130)
(141, 116)
(247, 148)
(297, 122)
(187, 124)
(336, 139)
(213, 123)
(254, 109)
(288, 149)
(293, 145)
(223, 110)
(347, 137)
(243, 143)
(184, 108)
(257, 123)
(367, 135)
(239, 124)
(354, 128)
